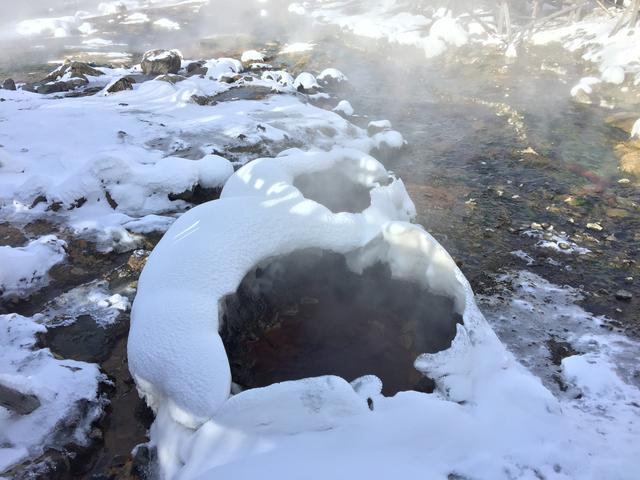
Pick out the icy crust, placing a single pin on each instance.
(23, 270)
(180, 366)
(65, 389)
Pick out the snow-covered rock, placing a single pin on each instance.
(24, 270)
(251, 56)
(344, 107)
(331, 76)
(158, 62)
(305, 82)
(67, 392)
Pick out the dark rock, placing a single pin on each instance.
(124, 83)
(624, 295)
(159, 62)
(18, 402)
(9, 84)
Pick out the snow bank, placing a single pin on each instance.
(24, 270)
(65, 389)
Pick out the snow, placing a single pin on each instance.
(201, 431)
(614, 75)
(344, 107)
(61, 386)
(135, 149)
(23, 270)
(600, 394)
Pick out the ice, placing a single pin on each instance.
(23, 270)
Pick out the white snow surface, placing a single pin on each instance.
(60, 385)
(23, 270)
(131, 146)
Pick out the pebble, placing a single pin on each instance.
(595, 226)
(624, 295)
(628, 279)
(536, 226)
(624, 181)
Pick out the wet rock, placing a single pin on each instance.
(9, 84)
(559, 349)
(17, 402)
(628, 157)
(196, 68)
(84, 340)
(159, 62)
(230, 77)
(124, 83)
(171, 78)
(623, 121)
(623, 295)
(595, 226)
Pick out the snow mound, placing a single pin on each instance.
(180, 365)
(24, 269)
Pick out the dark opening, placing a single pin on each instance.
(334, 190)
(306, 314)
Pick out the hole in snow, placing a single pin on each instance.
(306, 314)
(334, 190)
